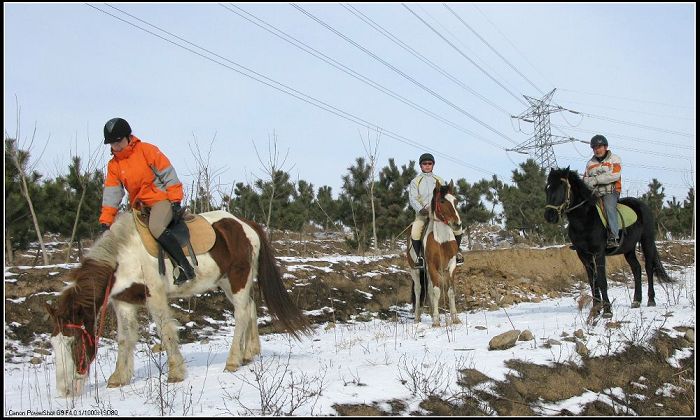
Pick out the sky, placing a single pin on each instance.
(206, 85)
(362, 362)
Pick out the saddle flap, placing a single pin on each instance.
(202, 235)
(625, 215)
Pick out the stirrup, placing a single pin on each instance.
(183, 277)
(612, 243)
(459, 259)
(420, 263)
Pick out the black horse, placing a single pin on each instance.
(568, 195)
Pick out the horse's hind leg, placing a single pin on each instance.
(157, 304)
(649, 250)
(252, 338)
(631, 258)
(127, 329)
(244, 314)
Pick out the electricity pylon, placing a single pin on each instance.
(542, 139)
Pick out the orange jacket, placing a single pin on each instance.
(145, 172)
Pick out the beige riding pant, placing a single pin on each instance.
(161, 215)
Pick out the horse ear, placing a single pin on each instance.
(437, 185)
(451, 186)
(50, 310)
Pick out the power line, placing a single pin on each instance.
(513, 45)
(418, 55)
(628, 99)
(281, 87)
(645, 141)
(648, 127)
(464, 55)
(492, 49)
(310, 50)
(392, 67)
(636, 112)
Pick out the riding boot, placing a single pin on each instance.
(170, 244)
(418, 247)
(459, 257)
(612, 240)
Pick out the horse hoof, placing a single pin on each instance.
(651, 303)
(231, 367)
(635, 304)
(607, 314)
(436, 324)
(116, 383)
(175, 379)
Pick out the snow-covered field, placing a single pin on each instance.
(360, 362)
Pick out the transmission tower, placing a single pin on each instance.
(542, 139)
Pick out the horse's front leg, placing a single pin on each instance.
(602, 284)
(415, 275)
(127, 331)
(157, 304)
(245, 316)
(434, 285)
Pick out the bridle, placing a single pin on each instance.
(83, 364)
(563, 208)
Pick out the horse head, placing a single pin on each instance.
(73, 317)
(565, 191)
(73, 345)
(444, 204)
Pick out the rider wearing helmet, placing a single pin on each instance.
(603, 175)
(150, 179)
(420, 193)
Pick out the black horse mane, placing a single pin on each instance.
(578, 187)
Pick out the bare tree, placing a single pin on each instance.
(272, 167)
(372, 159)
(23, 168)
(83, 178)
(203, 190)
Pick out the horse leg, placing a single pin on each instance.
(649, 268)
(631, 258)
(602, 284)
(434, 285)
(588, 265)
(415, 275)
(245, 316)
(453, 307)
(157, 304)
(252, 346)
(127, 328)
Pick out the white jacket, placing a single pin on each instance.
(420, 190)
(604, 174)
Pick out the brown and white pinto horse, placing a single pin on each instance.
(440, 248)
(119, 269)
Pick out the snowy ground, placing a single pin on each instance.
(361, 362)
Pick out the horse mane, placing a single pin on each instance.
(90, 280)
(578, 187)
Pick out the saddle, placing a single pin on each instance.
(194, 233)
(625, 215)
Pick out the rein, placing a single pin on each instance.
(84, 366)
(564, 208)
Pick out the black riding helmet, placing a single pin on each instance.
(116, 129)
(426, 156)
(598, 140)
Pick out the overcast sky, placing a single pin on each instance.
(628, 69)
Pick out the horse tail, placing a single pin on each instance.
(276, 297)
(648, 242)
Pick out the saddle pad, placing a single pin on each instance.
(202, 235)
(625, 215)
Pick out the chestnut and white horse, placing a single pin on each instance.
(441, 249)
(119, 270)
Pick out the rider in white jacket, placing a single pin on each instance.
(420, 193)
(603, 175)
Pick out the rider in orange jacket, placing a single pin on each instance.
(149, 178)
